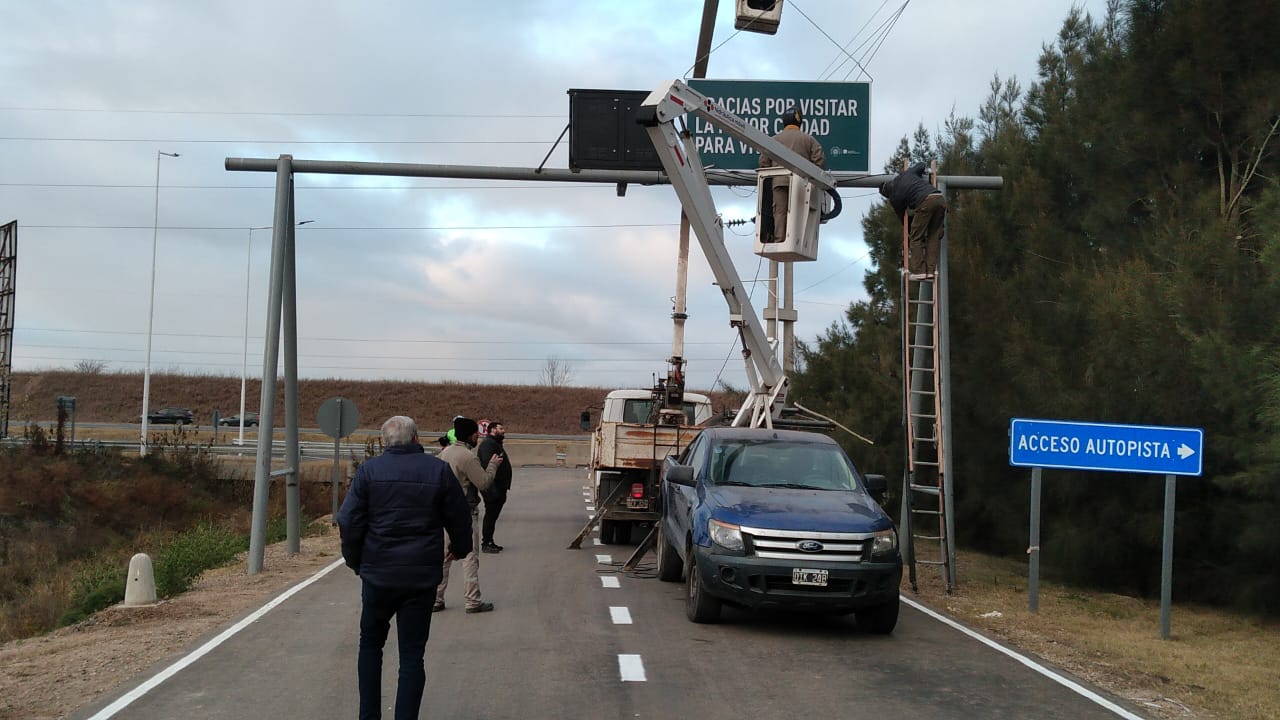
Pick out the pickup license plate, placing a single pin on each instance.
(640, 504)
(806, 576)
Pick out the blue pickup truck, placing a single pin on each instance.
(762, 518)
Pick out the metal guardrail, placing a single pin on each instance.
(308, 449)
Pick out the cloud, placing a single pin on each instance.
(416, 277)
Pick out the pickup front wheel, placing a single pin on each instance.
(669, 563)
(699, 606)
(878, 620)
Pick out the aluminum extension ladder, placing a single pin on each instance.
(923, 526)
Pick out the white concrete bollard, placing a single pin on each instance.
(141, 588)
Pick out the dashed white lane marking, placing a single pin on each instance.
(620, 615)
(604, 559)
(591, 508)
(609, 581)
(205, 649)
(1069, 684)
(596, 541)
(631, 668)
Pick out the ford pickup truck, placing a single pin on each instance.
(761, 518)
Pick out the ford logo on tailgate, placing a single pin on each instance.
(810, 546)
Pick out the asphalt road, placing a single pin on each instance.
(552, 649)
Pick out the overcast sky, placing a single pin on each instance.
(417, 278)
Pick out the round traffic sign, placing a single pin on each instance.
(338, 417)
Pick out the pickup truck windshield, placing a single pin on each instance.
(775, 463)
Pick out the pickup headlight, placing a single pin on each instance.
(726, 536)
(885, 545)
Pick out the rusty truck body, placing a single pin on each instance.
(628, 447)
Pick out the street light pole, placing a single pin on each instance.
(151, 308)
(244, 362)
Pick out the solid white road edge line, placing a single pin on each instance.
(205, 649)
(1063, 681)
(609, 581)
(620, 615)
(631, 668)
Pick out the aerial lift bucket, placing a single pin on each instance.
(804, 213)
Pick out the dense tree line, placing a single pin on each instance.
(1126, 273)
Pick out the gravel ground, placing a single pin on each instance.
(55, 675)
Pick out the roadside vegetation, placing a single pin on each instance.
(70, 520)
(1216, 664)
(1127, 273)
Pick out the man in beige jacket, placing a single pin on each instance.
(802, 144)
(475, 479)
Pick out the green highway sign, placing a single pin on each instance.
(835, 114)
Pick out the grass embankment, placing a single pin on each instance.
(1214, 661)
(70, 521)
(117, 398)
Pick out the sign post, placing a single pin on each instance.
(1145, 449)
(338, 418)
(1033, 548)
(1166, 555)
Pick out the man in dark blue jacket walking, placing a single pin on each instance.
(392, 523)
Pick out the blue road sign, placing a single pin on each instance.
(1102, 446)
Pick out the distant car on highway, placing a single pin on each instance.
(171, 415)
(250, 419)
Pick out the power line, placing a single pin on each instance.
(734, 344)
(98, 348)
(893, 21)
(468, 369)
(739, 192)
(511, 116)
(827, 36)
(362, 340)
(524, 186)
(248, 141)
(845, 48)
(846, 267)
(315, 228)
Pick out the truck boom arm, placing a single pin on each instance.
(682, 164)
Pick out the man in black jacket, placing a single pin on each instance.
(909, 191)
(392, 523)
(496, 496)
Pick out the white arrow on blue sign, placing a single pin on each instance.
(1103, 446)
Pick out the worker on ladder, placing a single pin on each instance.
(802, 144)
(910, 194)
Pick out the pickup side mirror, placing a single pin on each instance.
(877, 486)
(681, 475)
(584, 420)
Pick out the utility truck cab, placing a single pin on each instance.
(637, 407)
